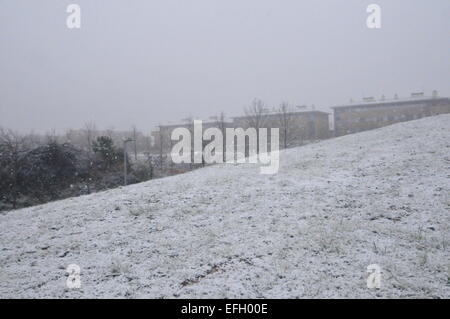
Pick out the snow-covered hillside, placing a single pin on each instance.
(335, 207)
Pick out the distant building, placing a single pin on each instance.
(302, 125)
(162, 137)
(353, 118)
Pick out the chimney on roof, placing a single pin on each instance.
(396, 96)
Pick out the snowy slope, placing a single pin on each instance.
(378, 197)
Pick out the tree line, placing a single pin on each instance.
(36, 169)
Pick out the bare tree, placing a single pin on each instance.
(110, 133)
(69, 136)
(90, 130)
(286, 123)
(256, 117)
(256, 114)
(220, 122)
(51, 136)
(151, 165)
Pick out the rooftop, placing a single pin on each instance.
(411, 100)
(278, 113)
(184, 124)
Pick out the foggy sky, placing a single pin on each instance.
(146, 62)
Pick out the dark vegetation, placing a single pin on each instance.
(34, 173)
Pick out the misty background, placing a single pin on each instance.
(148, 62)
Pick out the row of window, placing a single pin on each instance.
(387, 118)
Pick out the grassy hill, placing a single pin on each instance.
(335, 207)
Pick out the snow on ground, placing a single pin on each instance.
(378, 197)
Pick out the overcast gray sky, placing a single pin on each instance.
(146, 62)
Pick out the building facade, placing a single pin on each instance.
(354, 118)
(294, 127)
(162, 138)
